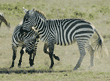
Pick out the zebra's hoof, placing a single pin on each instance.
(50, 67)
(31, 66)
(75, 69)
(57, 58)
(11, 66)
(19, 66)
(90, 67)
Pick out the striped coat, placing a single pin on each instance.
(28, 42)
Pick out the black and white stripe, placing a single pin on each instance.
(61, 32)
(65, 33)
(28, 42)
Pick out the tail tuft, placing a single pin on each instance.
(99, 44)
(99, 41)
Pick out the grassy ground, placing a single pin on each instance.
(95, 11)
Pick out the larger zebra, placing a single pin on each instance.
(28, 41)
(61, 32)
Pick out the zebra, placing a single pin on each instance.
(3, 19)
(62, 32)
(28, 42)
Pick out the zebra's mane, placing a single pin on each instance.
(41, 14)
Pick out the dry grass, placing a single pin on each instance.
(69, 55)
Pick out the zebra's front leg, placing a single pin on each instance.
(81, 46)
(45, 51)
(51, 49)
(30, 60)
(14, 55)
(34, 54)
(21, 54)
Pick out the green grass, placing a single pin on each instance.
(94, 11)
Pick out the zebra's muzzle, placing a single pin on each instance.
(24, 49)
(33, 28)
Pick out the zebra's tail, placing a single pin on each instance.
(99, 41)
(99, 44)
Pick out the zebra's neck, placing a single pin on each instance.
(41, 27)
(46, 29)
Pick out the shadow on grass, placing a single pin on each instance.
(9, 71)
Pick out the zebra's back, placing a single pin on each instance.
(16, 35)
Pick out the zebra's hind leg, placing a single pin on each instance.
(81, 45)
(45, 51)
(91, 51)
(56, 57)
(14, 48)
(21, 54)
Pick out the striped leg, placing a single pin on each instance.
(31, 57)
(21, 54)
(14, 55)
(81, 45)
(51, 49)
(30, 60)
(91, 50)
(45, 51)
(34, 54)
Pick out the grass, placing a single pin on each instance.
(94, 11)
(60, 76)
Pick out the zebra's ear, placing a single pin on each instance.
(1, 14)
(32, 11)
(25, 10)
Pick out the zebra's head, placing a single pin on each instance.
(32, 18)
(31, 44)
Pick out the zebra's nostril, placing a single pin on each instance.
(24, 49)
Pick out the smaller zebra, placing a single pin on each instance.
(3, 19)
(28, 42)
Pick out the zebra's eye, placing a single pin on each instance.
(26, 19)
